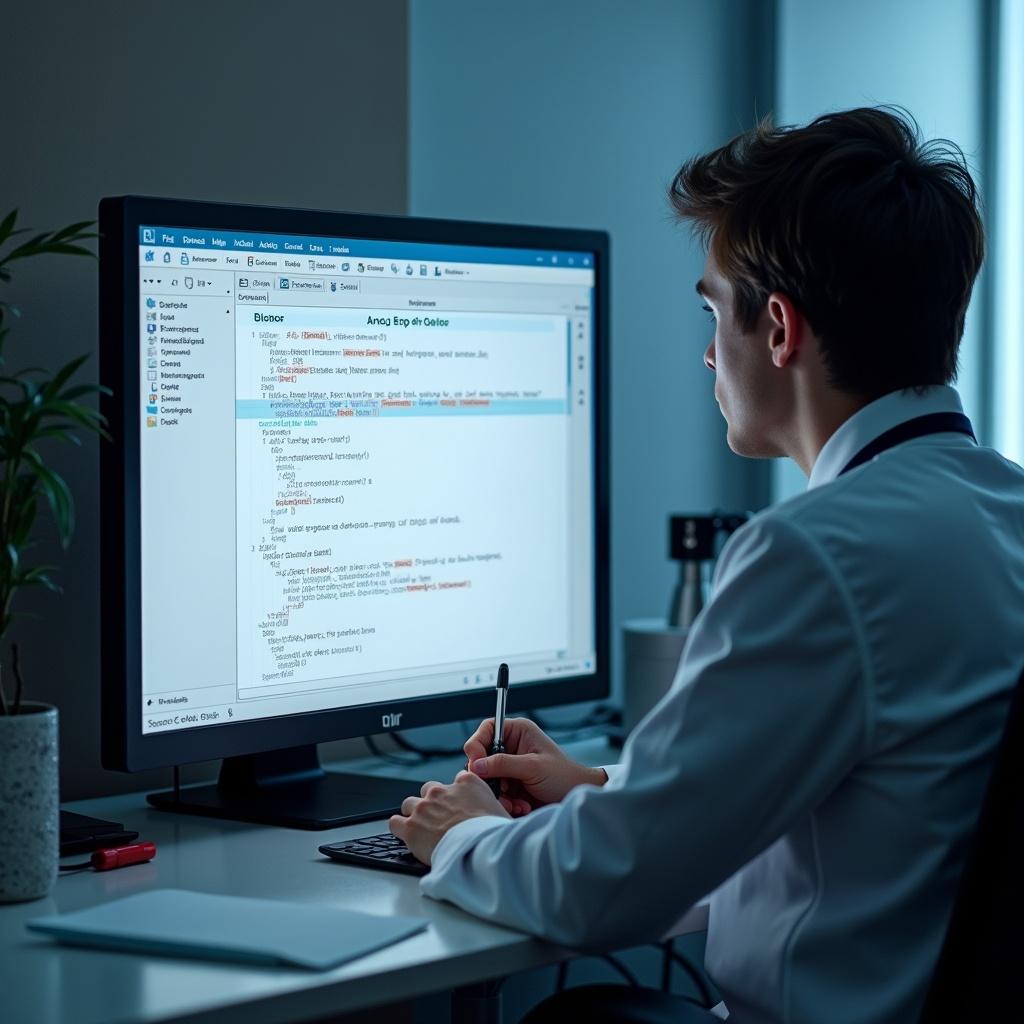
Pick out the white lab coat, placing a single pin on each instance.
(821, 757)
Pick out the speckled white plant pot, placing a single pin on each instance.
(29, 803)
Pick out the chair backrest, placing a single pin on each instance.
(980, 972)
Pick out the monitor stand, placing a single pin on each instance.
(289, 787)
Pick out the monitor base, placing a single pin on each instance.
(290, 788)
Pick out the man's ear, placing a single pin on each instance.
(787, 329)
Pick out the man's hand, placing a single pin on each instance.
(534, 770)
(427, 817)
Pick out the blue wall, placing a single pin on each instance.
(579, 113)
(929, 57)
(108, 98)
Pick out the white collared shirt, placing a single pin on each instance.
(821, 757)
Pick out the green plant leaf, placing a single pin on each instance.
(91, 419)
(65, 248)
(25, 516)
(63, 375)
(61, 241)
(43, 248)
(37, 405)
(57, 494)
(9, 566)
(33, 242)
(75, 230)
(39, 577)
(7, 225)
(70, 394)
(62, 432)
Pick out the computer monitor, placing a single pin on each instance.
(357, 462)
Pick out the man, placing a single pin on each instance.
(820, 760)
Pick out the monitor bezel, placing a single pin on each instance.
(124, 745)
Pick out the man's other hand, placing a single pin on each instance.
(533, 771)
(426, 818)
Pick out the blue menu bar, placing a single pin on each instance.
(248, 241)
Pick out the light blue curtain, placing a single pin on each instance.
(1006, 252)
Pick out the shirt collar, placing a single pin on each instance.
(874, 419)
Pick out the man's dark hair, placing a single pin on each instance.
(873, 235)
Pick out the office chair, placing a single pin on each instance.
(618, 1004)
(631, 1003)
(978, 976)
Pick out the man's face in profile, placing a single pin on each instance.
(748, 387)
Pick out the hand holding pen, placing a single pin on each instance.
(498, 743)
(523, 766)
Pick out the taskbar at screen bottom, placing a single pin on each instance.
(221, 705)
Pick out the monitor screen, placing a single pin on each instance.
(365, 469)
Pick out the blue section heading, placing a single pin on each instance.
(308, 245)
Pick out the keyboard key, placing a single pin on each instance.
(381, 851)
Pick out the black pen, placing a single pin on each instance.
(498, 746)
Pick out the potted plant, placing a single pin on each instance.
(35, 409)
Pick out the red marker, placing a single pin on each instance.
(115, 857)
(120, 856)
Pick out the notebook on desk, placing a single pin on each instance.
(179, 922)
(80, 833)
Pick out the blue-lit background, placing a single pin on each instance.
(572, 113)
(575, 113)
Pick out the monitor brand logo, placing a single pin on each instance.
(392, 721)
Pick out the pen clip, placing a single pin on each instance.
(499, 722)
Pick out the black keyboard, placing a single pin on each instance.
(385, 851)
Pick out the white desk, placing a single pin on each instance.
(44, 983)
